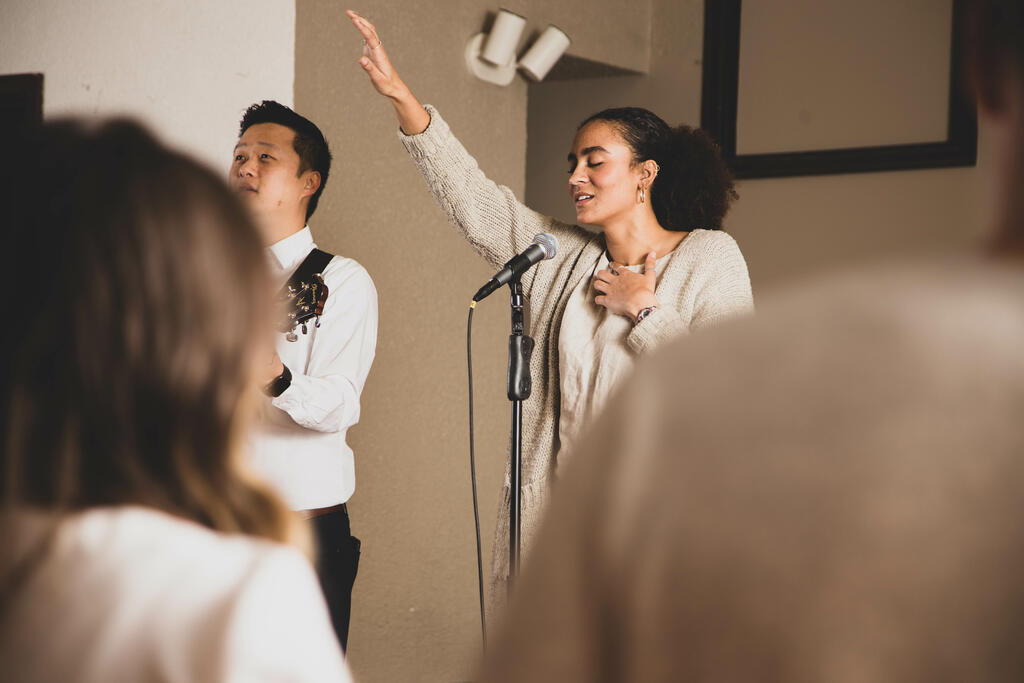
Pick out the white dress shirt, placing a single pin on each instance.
(133, 594)
(299, 442)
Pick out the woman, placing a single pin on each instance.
(659, 267)
(134, 549)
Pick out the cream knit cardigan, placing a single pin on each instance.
(702, 284)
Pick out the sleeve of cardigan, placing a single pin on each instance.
(725, 292)
(496, 224)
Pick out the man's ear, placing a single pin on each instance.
(310, 183)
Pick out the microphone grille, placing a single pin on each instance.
(547, 243)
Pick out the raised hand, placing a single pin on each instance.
(624, 292)
(412, 116)
(375, 60)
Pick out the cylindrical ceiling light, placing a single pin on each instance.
(548, 49)
(492, 57)
(502, 41)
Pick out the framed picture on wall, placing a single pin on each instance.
(806, 87)
(21, 101)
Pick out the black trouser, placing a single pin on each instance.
(337, 564)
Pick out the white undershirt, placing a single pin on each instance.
(299, 442)
(592, 353)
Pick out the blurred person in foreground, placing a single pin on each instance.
(834, 491)
(134, 548)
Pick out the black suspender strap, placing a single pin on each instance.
(315, 262)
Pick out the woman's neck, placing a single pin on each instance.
(632, 239)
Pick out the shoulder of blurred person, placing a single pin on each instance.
(821, 492)
(131, 593)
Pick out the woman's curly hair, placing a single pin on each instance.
(693, 188)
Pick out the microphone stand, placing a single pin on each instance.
(520, 348)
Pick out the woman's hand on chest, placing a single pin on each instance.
(624, 292)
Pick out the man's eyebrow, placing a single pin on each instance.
(587, 150)
(271, 145)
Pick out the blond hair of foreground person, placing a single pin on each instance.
(133, 547)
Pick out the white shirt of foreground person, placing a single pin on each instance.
(134, 594)
(299, 442)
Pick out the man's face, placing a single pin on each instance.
(265, 172)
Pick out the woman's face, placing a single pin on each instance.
(603, 180)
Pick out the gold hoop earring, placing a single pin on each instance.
(642, 195)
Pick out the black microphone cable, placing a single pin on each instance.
(472, 472)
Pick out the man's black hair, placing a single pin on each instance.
(310, 144)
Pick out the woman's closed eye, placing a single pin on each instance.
(593, 164)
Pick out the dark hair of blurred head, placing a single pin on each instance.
(136, 290)
(995, 42)
(995, 69)
(693, 188)
(309, 143)
(999, 26)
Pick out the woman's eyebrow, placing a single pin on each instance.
(586, 151)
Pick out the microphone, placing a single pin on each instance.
(544, 247)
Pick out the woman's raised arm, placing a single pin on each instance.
(412, 117)
(488, 215)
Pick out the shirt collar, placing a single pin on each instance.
(289, 252)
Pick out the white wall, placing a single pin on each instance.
(187, 68)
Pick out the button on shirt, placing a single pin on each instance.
(299, 443)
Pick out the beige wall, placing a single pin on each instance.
(615, 34)
(187, 68)
(809, 73)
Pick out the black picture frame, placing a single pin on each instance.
(719, 100)
(21, 101)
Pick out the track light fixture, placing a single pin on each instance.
(492, 57)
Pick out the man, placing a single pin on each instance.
(314, 380)
(831, 491)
